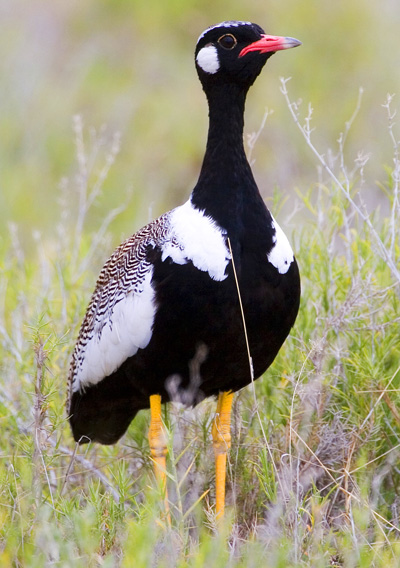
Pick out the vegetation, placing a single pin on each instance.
(313, 471)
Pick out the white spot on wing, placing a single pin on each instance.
(207, 59)
(124, 331)
(281, 254)
(199, 240)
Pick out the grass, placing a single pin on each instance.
(313, 470)
(129, 64)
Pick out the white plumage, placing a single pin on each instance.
(281, 255)
(200, 241)
(228, 24)
(207, 59)
(121, 314)
(124, 331)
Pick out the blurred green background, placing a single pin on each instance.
(128, 65)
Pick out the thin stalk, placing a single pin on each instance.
(306, 132)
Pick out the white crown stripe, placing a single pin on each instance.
(228, 24)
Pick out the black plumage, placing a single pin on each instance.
(192, 344)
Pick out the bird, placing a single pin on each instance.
(199, 301)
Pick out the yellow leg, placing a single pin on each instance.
(158, 443)
(221, 433)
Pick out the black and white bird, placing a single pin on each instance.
(165, 319)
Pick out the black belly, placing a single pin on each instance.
(198, 345)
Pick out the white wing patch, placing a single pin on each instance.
(118, 336)
(197, 238)
(120, 317)
(281, 254)
(207, 59)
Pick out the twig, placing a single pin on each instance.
(396, 172)
(379, 399)
(359, 500)
(254, 136)
(306, 132)
(39, 415)
(343, 137)
(251, 368)
(86, 195)
(97, 239)
(87, 465)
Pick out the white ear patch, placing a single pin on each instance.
(207, 59)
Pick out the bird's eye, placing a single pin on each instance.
(227, 41)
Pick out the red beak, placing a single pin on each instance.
(269, 43)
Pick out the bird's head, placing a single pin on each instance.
(235, 52)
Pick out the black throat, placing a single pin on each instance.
(226, 188)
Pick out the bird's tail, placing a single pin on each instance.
(101, 414)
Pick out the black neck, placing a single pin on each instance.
(225, 180)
